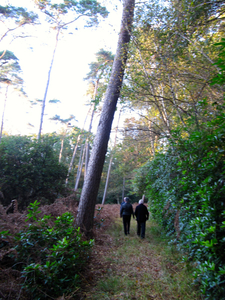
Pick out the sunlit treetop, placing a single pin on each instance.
(9, 68)
(104, 60)
(83, 8)
(20, 14)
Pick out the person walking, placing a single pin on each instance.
(126, 210)
(142, 214)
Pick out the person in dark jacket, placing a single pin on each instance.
(126, 210)
(142, 214)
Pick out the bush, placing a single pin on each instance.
(186, 191)
(52, 253)
(29, 170)
(186, 187)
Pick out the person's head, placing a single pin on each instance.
(140, 201)
(126, 199)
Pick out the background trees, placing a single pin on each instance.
(185, 180)
(170, 72)
(56, 17)
(9, 77)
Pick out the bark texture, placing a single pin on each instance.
(89, 193)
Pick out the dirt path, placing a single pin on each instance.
(126, 267)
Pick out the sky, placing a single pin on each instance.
(76, 50)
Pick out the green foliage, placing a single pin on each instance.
(52, 253)
(195, 13)
(186, 186)
(19, 14)
(29, 170)
(186, 189)
(202, 206)
(9, 68)
(102, 66)
(220, 78)
(98, 220)
(83, 8)
(33, 211)
(4, 234)
(159, 181)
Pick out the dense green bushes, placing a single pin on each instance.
(52, 253)
(186, 187)
(29, 170)
(203, 205)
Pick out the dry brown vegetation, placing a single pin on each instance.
(10, 279)
(120, 267)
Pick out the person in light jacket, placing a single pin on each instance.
(142, 215)
(126, 210)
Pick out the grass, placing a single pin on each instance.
(143, 269)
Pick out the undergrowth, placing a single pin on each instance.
(52, 253)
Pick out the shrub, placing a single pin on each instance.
(187, 199)
(186, 187)
(52, 253)
(29, 170)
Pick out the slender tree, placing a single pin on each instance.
(66, 122)
(55, 14)
(3, 113)
(9, 76)
(75, 149)
(92, 180)
(98, 69)
(110, 163)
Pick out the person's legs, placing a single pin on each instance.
(125, 224)
(142, 230)
(138, 228)
(128, 224)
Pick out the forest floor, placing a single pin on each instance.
(127, 267)
(120, 267)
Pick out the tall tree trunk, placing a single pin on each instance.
(80, 166)
(62, 143)
(72, 159)
(47, 85)
(87, 141)
(89, 193)
(123, 188)
(152, 138)
(107, 180)
(110, 164)
(90, 127)
(3, 113)
(61, 150)
(75, 150)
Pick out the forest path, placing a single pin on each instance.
(127, 267)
